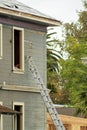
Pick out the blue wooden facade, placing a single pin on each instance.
(18, 90)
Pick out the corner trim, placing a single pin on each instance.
(1, 40)
(1, 118)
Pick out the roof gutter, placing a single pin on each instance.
(44, 20)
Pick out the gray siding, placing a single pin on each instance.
(37, 50)
(34, 110)
(35, 46)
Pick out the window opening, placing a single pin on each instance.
(18, 49)
(83, 128)
(19, 118)
(67, 126)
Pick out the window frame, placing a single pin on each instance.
(21, 69)
(15, 116)
(1, 48)
(83, 127)
(1, 119)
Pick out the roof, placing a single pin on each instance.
(6, 110)
(69, 111)
(18, 9)
(66, 111)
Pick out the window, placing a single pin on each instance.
(18, 49)
(67, 126)
(1, 122)
(83, 128)
(52, 127)
(18, 120)
(0, 41)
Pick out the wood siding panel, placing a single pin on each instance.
(34, 45)
(34, 109)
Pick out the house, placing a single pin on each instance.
(70, 121)
(22, 33)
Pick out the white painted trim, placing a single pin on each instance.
(15, 118)
(47, 21)
(20, 88)
(20, 71)
(1, 119)
(1, 47)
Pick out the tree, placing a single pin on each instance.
(81, 101)
(74, 71)
(53, 69)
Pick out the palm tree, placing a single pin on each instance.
(53, 55)
(53, 66)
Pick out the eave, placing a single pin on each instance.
(30, 17)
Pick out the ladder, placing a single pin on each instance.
(44, 93)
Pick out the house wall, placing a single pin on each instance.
(35, 46)
(34, 110)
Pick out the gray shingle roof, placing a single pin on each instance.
(18, 6)
(69, 111)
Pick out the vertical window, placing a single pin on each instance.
(83, 128)
(1, 122)
(52, 127)
(0, 41)
(18, 122)
(67, 126)
(18, 49)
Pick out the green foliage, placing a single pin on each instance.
(52, 62)
(74, 70)
(53, 69)
(81, 101)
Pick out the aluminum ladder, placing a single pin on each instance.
(44, 93)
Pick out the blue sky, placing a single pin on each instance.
(63, 10)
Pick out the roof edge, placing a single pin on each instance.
(46, 21)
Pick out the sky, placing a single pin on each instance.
(62, 10)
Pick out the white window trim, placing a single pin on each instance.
(1, 48)
(21, 71)
(14, 117)
(1, 119)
